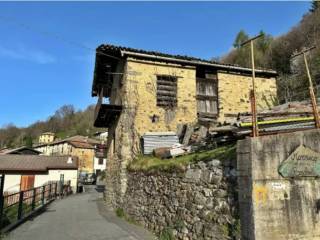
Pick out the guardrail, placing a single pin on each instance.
(16, 207)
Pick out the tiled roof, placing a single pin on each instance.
(81, 144)
(17, 150)
(77, 141)
(36, 163)
(118, 51)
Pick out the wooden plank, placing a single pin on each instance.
(166, 83)
(166, 93)
(206, 79)
(206, 114)
(203, 119)
(167, 87)
(166, 98)
(205, 97)
(211, 76)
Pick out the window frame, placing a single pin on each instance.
(166, 91)
(207, 97)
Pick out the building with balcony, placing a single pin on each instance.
(145, 91)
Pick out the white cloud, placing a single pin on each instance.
(27, 54)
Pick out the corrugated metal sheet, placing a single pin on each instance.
(153, 140)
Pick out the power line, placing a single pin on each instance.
(52, 35)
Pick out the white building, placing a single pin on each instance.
(99, 165)
(24, 172)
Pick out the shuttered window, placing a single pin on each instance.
(166, 91)
(207, 93)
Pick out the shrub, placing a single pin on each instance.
(120, 213)
(166, 234)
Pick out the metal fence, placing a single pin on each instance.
(15, 207)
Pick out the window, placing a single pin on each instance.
(100, 161)
(207, 98)
(166, 91)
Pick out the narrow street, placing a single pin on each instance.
(81, 216)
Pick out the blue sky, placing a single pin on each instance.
(40, 72)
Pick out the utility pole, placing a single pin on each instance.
(255, 129)
(311, 91)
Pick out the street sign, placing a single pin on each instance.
(303, 162)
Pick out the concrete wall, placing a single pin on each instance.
(234, 93)
(273, 207)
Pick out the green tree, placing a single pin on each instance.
(28, 141)
(241, 37)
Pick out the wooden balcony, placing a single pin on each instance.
(106, 114)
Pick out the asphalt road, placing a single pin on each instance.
(81, 216)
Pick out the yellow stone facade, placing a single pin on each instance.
(142, 88)
(85, 155)
(136, 92)
(86, 158)
(47, 137)
(234, 93)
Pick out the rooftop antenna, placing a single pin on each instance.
(311, 91)
(255, 129)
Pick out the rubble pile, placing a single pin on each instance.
(193, 138)
(288, 117)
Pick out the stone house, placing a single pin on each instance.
(46, 137)
(77, 146)
(143, 91)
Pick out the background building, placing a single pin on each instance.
(78, 146)
(46, 137)
(23, 172)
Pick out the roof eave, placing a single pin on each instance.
(194, 62)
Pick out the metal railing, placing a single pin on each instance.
(15, 207)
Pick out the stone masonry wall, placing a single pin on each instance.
(199, 203)
(272, 206)
(234, 93)
(142, 81)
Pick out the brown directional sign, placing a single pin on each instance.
(303, 162)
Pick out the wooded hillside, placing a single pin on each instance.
(275, 53)
(66, 121)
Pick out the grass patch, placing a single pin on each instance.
(121, 214)
(166, 234)
(149, 163)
